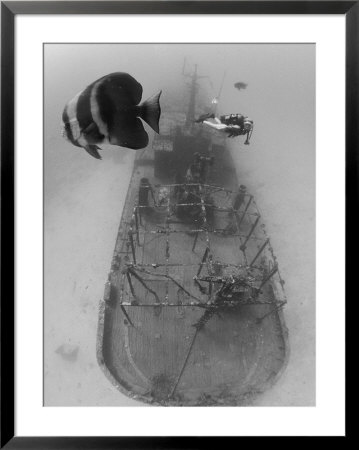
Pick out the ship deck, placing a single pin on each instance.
(158, 290)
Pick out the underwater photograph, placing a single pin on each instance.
(179, 224)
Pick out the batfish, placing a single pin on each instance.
(108, 112)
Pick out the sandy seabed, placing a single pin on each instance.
(81, 225)
(80, 233)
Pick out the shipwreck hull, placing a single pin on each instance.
(154, 343)
(233, 359)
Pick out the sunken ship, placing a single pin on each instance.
(192, 312)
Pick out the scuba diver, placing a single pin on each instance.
(231, 124)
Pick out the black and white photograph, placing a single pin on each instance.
(179, 224)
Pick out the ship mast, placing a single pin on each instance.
(216, 99)
(192, 99)
(191, 111)
(193, 88)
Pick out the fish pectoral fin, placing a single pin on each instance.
(90, 129)
(128, 132)
(93, 151)
(92, 134)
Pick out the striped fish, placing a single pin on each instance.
(108, 112)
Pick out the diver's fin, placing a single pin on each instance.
(150, 111)
(204, 117)
(128, 132)
(92, 150)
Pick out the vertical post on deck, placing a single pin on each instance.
(243, 246)
(259, 252)
(167, 250)
(130, 235)
(269, 276)
(239, 198)
(210, 288)
(275, 309)
(131, 285)
(137, 228)
(140, 215)
(195, 241)
(245, 210)
(127, 316)
(203, 260)
(133, 273)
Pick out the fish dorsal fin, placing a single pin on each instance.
(120, 89)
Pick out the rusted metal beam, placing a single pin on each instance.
(133, 273)
(245, 210)
(184, 364)
(204, 258)
(170, 278)
(131, 285)
(195, 241)
(137, 227)
(276, 309)
(210, 288)
(259, 252)
(269, 276)
(208, 304)
(138, 266)
(132, 244)
(127, 316)
(243, 246)
(214, 231)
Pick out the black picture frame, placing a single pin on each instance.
(9, 10)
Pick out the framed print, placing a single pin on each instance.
(174, 181)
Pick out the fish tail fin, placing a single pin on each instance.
(150, 111)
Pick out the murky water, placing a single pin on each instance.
(84, 197)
